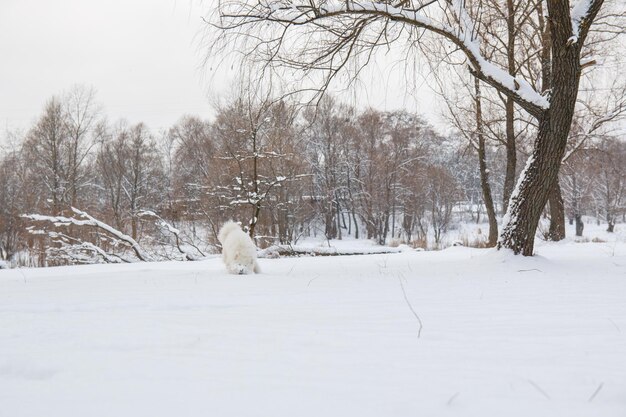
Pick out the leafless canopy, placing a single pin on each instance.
(330, 36)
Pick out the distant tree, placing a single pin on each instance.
(470, 120)
(131, 175)
(12, 203)
(56, 149)
(290, 212)
(250, 132)
(400, 155)
(81, 119)
(327, 126)
(442, 194)
(595, 127)
(47, 151)
(196, 173)
(610, 187)
(577, 178)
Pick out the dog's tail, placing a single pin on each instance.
(228, 227)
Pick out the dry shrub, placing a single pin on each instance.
(395, 242)
(477, 242)
(420, 243)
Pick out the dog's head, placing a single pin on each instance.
(241, 269)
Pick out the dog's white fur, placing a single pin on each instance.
(238, 250)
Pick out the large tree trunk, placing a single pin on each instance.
(557, 214)
(557, 208)
(536, 181)
(484, 172)
(542, 169)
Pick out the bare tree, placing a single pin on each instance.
(289, 211)
(47, 151)
(577, 180)
(197, 174)
(338, 32)
(81, 113)
(462, 115)
(442, 194)
(484, 171)
(327, 126)
(250, 132)
(131, 175)
(610, 189)
(57, 147)
(12, 202)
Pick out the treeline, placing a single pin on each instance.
(285, 171)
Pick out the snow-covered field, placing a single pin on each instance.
(322, 336)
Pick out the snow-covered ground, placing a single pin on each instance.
(322, 336)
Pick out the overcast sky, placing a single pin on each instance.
(141, 56)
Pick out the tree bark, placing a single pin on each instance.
(511, 155)
(557, 208)
(580, 226)
(611, 226)
(542, 168)
(557, 214)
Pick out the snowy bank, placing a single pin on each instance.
(321, 336)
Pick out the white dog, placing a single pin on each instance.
(238, 250)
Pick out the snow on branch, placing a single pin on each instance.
(578, 13)
(461, 32)
(164, 225)
(89, 221)
(79, 251)
(251, 196)
(580, 16)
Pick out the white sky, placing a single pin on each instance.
(141, 56)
